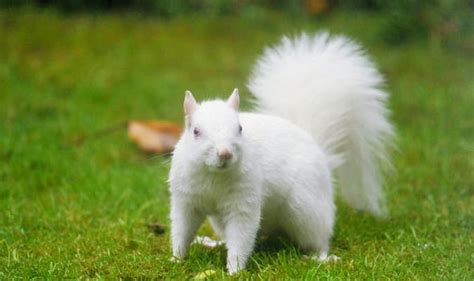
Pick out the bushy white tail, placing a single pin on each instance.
(329, 87)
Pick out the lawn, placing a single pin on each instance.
(78, 209)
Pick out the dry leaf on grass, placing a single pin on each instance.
(205, 274)
(316, 7)
(155, 136)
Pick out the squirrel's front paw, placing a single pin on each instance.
(233, 267)
(323, 258)
(232, 271)
(176, 259)
(330, 258)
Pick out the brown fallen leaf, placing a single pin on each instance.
(316, 7)
(156, 136)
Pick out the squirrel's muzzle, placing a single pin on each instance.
(224, 154)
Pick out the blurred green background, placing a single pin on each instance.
(79, 70)
(447, 21)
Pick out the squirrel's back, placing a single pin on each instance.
(282, 150)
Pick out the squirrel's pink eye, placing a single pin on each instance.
(196, 132)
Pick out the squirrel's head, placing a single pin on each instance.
(213, 131)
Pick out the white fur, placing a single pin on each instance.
(279, 175)
(330, 88)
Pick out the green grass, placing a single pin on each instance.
(70, 210)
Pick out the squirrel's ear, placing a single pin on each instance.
(234, 99)
(190, 104)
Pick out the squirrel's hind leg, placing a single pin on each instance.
(308, 220)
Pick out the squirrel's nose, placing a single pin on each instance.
(224, 154)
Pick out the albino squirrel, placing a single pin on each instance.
(320, 110)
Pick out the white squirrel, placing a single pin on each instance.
(320, 109)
